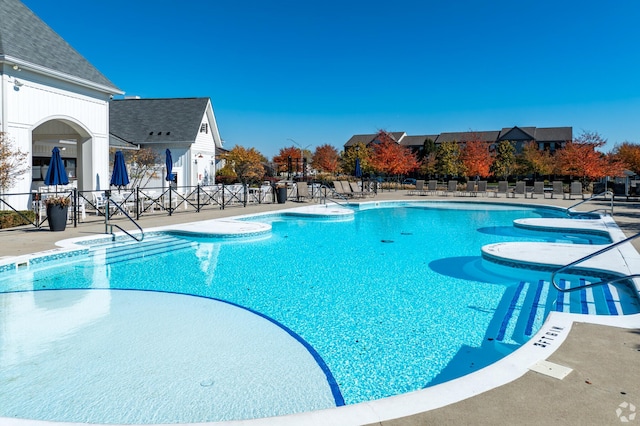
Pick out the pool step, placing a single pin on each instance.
(126, 250)
(528, 304)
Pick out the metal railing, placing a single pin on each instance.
(605, 193)
(323, 198)
(108, 227)
(591, 256)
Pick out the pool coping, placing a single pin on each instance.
(497, 374)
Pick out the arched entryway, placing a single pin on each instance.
(74, 143)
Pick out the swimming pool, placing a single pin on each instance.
(393, 300)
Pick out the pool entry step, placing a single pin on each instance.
(524, 307)
(121, 251)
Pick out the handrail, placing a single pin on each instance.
(109, 226)
(323, 199)
(591, 198)
(590, 256)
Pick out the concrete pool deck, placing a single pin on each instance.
(601, 389)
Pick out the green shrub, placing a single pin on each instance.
(10, 219)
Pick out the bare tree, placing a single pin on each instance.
(13, 163)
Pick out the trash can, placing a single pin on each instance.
(281, 195)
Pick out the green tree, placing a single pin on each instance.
(504, 161)
(348, 158)
(13, 163)
(535, 161)
(448, 158)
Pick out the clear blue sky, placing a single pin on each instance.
(320, 71)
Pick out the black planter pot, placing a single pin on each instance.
(57, 217)
(281, 195)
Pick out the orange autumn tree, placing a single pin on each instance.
(282, 159)
(629, 154)
(391, 158)
(476, 157)
(325, 158)
(580, 158)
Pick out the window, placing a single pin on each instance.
(204, 128)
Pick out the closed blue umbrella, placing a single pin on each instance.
(358, 172)
(56, 174)
(119, 176)
(169, 164)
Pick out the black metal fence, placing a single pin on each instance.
(90, 206)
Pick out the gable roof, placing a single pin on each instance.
(150, 121)
(25, 40)
(518, 133)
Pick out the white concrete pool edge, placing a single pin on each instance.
(542, 345)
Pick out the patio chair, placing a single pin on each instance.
(302, 191)
(520, 189)
(419, 190)
(99, 202)
(574, 190)
(538, 189)
(558, 189)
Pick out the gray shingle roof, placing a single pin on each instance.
(487, 136)
(554, 134)
(25, 37)
(157, 121)
(355, 139)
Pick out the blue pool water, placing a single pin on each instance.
(335, 312)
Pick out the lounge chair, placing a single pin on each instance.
(503, 188)
(558, 189)
(355, 190)
(574, 190)
(432, 187)
(470, 189)
(302, 190)
(452, 187)
(339, 189)
(520, 189)
(538, 189)
(419, 188)
(482, 188)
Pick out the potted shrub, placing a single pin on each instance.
(57, 211)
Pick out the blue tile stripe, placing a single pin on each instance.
(608, 297)
(534, 309)
(560, 297)
(512, 307)
(584, 306)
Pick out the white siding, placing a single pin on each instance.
(41, 100)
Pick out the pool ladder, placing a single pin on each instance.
(591, 256)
